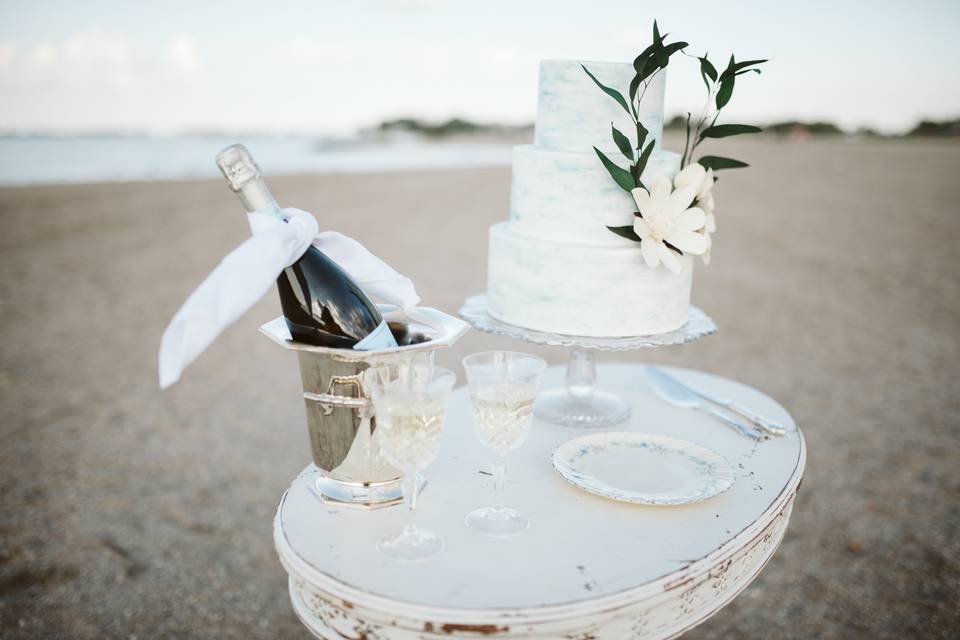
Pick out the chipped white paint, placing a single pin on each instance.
(587, 567)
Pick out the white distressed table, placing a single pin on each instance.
(587, 568)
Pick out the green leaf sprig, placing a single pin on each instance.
(647, 65)
(719, 91)
(719, 86)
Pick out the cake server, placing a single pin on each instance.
(670, 390)
(760, 422)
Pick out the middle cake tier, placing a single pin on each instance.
(570, 196)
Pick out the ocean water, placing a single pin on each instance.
(43, 160)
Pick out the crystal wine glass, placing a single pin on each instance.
(409, 400)
(503, 385)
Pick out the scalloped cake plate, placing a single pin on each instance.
(643, 468)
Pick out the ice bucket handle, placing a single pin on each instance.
(326, 398)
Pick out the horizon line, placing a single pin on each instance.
(203, 132)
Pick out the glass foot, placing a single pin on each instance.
(498, 522)
(599, 409)
(412, 544)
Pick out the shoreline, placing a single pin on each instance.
(673, 141)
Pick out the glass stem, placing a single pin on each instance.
(498, 468)
(581, 374)
(410, 497)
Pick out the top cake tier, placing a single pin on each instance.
(573, 114)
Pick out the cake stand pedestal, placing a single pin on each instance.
(579, 403)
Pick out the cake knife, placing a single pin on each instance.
(762, 423)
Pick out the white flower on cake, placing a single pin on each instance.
(666, 217)
(694, 175)
(708, 228)
(667, 230)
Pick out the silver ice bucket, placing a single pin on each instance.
(340, 416)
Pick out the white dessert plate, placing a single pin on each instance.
(643, 468)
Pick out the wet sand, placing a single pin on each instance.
(126, 512)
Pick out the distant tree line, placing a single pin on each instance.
(453, 126)
(937, 129)
(786, 128)
(925, 129)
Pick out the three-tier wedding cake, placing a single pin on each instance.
(555, 266)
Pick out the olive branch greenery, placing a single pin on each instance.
(719, 91)
(647, 65)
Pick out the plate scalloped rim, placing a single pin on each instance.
(719, 472)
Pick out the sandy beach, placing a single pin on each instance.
(127, 512)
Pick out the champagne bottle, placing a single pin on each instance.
(321, 304)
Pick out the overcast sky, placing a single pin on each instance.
(331, 66)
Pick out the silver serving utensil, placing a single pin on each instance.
(672, 391)
(764, 424)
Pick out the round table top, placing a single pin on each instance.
(579, 547)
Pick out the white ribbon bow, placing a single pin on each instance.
(249, 271)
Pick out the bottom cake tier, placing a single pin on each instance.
(582, 290)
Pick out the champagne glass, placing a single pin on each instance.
(409, 400)
(503, 385)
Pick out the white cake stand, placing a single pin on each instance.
(580, 403)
